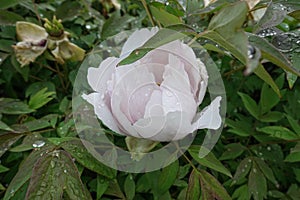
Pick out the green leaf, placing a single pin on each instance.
(265, 76)
(279, 132)
(37, 86)
(241, 193)
(40, 98)
(225, 43)
(233, 151)
(167, 177)
(129, 187)
(294, 155)
(228, 23)
(6, 45)
(3, 169)
(80, 153)
(295, 14)
(268, 99)
(55, 174)
(272, 54)
(102, 185)
(230, 16)
(294, 124)
(272, 17)
(165, 18)
(13, 107)
(8, 4)
(115, 190)
(68, 11)
(266, 170)
(25, 171)
(272, 116)
(250, 105)
(5, 127)
(7, 140)
(211, 188)
(115, 24)
(242, 170)
(9, 18)
(163, 36)
(193, 191)
(257, 183)
(209, 160)
(241, 127)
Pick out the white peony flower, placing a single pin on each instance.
(156, 97)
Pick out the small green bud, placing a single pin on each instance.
(54, 28)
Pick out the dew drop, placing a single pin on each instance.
(269, 148)
(88, 26)
(249, 160)
(254, 170)
(65, 171)
(38, 144)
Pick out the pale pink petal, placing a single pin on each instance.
(154, 106)
(137, 39)
(203, 83)
(132, 91)
(209, 117)
(185, 54)
(173, 126)
(176, 94)
(98, 77)
(102, 110)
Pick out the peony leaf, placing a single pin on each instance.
(165, 18)
(211, 188)
(40, 98)
(209, 161)
(250, 105)
(13, 106)
(193, 191)
(129, 187)
(265, 76)
(257, 183)
(55, 175)
(9, 18)
(23, 175)
(279, 132)
(272, 54)
(81, 154)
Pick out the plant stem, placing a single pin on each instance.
(148, 12)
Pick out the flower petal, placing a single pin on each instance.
(98, 77)
(176, 93)
(209, 117)
(137, 39)
(173, 126)
(102, 110)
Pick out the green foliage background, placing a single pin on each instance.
(258, 154)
